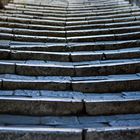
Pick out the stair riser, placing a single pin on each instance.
(41, 135)
(34, 85)
(65, 57)
(40, 107)
(116, 133)
(116, 107)
(27, 107)
(129, 55)
(85, 86)
(89, 70)
(28, 38)
(106, 86)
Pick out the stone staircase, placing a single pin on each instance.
(70, 70)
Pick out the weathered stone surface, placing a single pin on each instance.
(118, 106)
(41, 134)
(38, 106)
(105, 55)
(107, 69)
(100, 84)
(36, 84)
(7, 68)
(66, 63)
(40, 55)
(45, 69)
(115, 133)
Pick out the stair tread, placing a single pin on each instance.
(97, 122)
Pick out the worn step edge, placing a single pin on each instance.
(89, 69)
(101, 84)
(130, 53)
(81, 105)
(70, 47)
(114, 83)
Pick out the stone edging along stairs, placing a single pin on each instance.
(70, 70)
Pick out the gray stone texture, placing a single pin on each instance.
(69, 70)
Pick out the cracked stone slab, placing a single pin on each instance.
(106, 54)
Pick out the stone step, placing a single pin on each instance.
(105, 31)
(38, 7)
(35, 82)
(103, 21)
(84, 127)
(31, 26)
(40, 133)
(33, 16)
(70, 70)
(70, 28)
(80, 7)
(109, 4)
(101, 84)
(38, 55)
(42, 102)
(72, 23)
(103, 45)
(81, 122)
(36, 11)
(106, 25)
(32, 21)
(43, 5)
(105, 54)
(69, 134)
(80, 14)
(51, 39)
(68, 10)
(36, 15)
(70, 47)
(72, 33)
(39, 4)
(130, 53)
(83, 5)
(91, 68)
(122, 10)
(74, 11)
(33, 32)
(106, 37)
(14, 7)
(33, 46)
(31, 38)
(98, 11)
